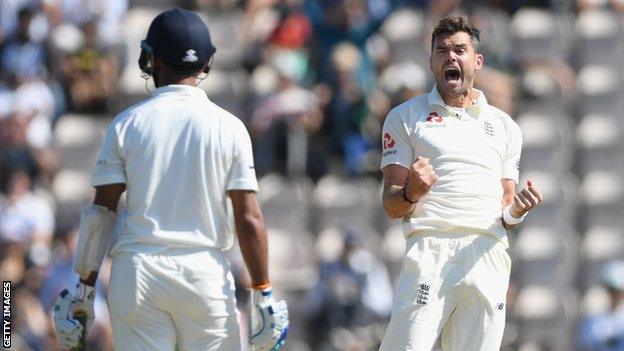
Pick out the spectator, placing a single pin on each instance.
(26, 218)
(605, 331)
(25, 92)
(15, 153)
(286, 123)
(90, 74)
(353, 290)
(348, 109)
(21, 55)
(337, 21)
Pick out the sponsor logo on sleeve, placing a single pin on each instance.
(388, 143)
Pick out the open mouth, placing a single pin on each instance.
(452, 74)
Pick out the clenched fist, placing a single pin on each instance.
(525, 200)
(420, 179)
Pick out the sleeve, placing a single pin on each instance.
(396, 146)
(242, 175)
(110, 166)
(511, 161)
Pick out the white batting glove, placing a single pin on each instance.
(68, 328)
(268, 321)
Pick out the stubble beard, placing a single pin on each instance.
(463, 91)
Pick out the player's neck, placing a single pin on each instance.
(464, 100)
(191, 81)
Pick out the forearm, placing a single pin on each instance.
(96, 226)
(507, 201)
(394, 203)
(252, 239)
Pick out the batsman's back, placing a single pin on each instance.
(178, 152)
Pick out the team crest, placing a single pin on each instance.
(423, 294)
(489, 128)
(190, 56)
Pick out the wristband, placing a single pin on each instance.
(405, 196)
(261, 286)
(509, 218)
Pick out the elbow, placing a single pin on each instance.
(250, 223)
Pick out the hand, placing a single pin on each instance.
(420, 179)
(66, 306)
(525, 200)
(268, 321)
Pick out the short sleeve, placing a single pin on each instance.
(110, 166)
(242, 175)
(396, 146)
(511, 161)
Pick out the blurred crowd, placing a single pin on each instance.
(313, 81)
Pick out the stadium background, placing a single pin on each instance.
(313, 81)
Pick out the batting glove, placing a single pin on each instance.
(268, 321)
(66, 307)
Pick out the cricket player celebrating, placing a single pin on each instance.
(179, 157)
(450, 165)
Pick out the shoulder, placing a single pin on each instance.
(508, 123)
(229, 126)
(228, 120)
(411, 110)
(132, 112)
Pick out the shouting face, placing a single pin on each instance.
(453, 63)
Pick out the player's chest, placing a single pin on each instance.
(441, 133)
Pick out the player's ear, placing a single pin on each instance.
(208, 65)
(146, 58)
(478, 60)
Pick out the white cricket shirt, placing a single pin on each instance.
(470, 151)
(178, 153)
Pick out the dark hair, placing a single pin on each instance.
(453, 24)
(183, 71)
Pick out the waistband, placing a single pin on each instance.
(150, 250)
(462, 235)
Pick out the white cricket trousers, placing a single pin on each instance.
(452, 286)
(158, 300)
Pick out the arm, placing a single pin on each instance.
(106, 196)
(96, 225)
(519, 203)
(404, 187)
(251, 235)
(268, 317)
(394, 204)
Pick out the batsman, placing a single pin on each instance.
(186, 166)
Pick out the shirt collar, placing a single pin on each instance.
(435, 98)
(180, 89)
